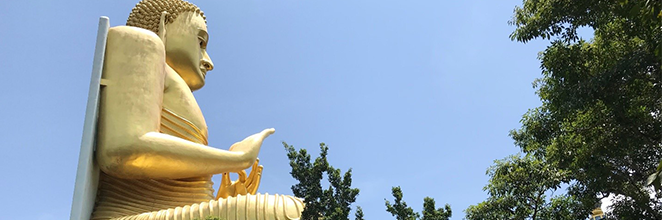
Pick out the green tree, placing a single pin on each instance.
(519, 188)
(359, 213)
(331, 203)
(399, 208)
(401, 211)
(432, 213)
(600, 119)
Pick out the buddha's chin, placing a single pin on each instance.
(194, 79)
(197, 85)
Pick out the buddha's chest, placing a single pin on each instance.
(181, 115)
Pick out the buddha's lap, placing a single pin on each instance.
(260, 206)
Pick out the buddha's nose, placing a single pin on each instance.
(206, 61)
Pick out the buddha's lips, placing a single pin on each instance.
(204, 72)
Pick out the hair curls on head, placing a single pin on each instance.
(147, 13)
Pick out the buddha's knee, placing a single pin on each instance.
(260, 206)
(248, 207)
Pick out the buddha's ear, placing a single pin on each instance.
(162, 27)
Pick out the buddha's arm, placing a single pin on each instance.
(129, 144)
(156, 155)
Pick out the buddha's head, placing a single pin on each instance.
(185, 36)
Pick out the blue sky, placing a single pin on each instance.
(417, 94)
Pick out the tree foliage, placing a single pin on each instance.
(520, 188)
(430, 212)
(401, 211)
(359, 213)
(399, 208)
(600, 121)
(331, 203)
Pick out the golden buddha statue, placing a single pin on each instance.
(152, 137)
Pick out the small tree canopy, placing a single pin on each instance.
(331, 203)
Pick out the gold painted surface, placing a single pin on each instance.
(119, 197)
(249, 207)
(152, 137)
(244, 185)
(175, 125)
(597, 214)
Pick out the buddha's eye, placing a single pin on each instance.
(201, 42)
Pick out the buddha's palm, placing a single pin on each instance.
(244, 185)
(251, 145)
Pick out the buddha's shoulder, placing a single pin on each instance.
(133, 57)
(127, 37)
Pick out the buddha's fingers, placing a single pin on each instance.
(251, 145)
(252, 188)
(267, 132)
(239, 189)
(225, 179)
(251, 176)
(226, 183)
(242, 176)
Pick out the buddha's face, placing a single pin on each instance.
(186, 48)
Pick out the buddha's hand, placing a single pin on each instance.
(251, 145)
(243, 185)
